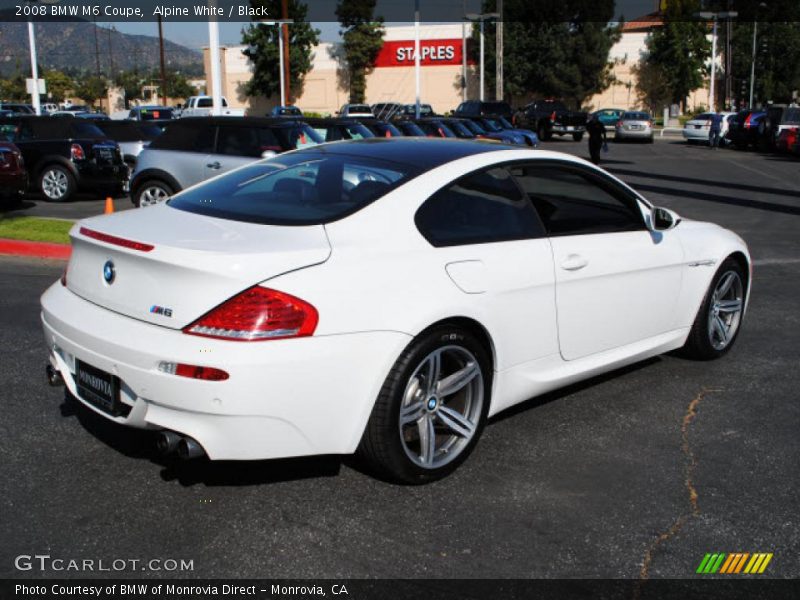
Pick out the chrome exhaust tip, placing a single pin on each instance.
(189, 448)
(53, 376)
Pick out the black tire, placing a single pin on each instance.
(381, 448)
(56, 183)
(650, 140)
(699, 345)
(577, 136)
(146, 190)
(544, 133)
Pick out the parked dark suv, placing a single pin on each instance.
(13, 176)
(476, 108)
(193, 149)
(65, 154)
(551, 117)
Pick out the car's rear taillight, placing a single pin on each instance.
(76, 152)
(619, 123)
(747, 121)
(257, 314)
(553, 117)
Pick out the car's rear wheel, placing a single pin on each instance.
(544, 133)
(717, 324)
(152, 192)
(56, 183)
(577, 137)
(431, 409)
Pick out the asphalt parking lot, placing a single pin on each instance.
(636, 474)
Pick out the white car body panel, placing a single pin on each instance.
(377, 283)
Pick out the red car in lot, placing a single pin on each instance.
(13, 176)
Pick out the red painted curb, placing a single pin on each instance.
(37, 249)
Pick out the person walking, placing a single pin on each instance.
(597, 138)
(714, 131)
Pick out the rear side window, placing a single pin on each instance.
(196, 137)
(302, 188)
(246, 141)
(571, 201)
(480, 208)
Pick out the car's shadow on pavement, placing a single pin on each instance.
(141, 444)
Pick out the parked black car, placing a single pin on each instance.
(551, 117)
(381, 128)
(476, 108)
(334, 130)
(64, 155)
(748, 128)
(409, 128)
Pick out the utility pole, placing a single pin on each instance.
(286, 70)
(463, 52)
(498, 53)
(416, 57)
(111, 51)
(161, 56)
(96, 49)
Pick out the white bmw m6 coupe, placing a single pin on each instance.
(380, 296)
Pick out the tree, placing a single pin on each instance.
(59, 85)
(777, 68)
(178, 86)
(362, 41)
(652, 88)
(558, 48)
(679, 49)
(131, 83)
(14, 88)
(262, 50)
(91, 89)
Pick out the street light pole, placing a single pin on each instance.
(216, 76)
(280, 66)
(37, 103)
(482, 18)
(753, 63)
(416, 57)
(498, 54)
(464, 53)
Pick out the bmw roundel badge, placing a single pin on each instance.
(108, 272)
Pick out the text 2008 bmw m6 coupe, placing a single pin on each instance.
(379, 296)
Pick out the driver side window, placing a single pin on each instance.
(572, 201)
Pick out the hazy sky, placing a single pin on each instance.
(195, 35)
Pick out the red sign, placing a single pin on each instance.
(432, 53)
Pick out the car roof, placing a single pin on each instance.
(424, 153)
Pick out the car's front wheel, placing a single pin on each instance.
(431, 409)
(152, 192)
(717, 323)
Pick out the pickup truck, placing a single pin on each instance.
(200, 106)
(551, 117)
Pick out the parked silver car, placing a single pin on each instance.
(194, 149)
(634, 126)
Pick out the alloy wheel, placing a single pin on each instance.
(725, 310)
(55, 184)
(442, 406)
(152, 194)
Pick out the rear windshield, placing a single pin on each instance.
(301, 188)
(124, 131)
(791, 116)
(636, 116)
(474, 127)
(151, 114)
(359, 108)
(461, 129)
(382, 129)
(499, 108)
(410, 129)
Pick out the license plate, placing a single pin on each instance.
(636, 127)
(105, 154)
(97, 387)
(570, 128)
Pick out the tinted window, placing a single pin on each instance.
(571, 201)
(474, 127)
(791, 116)
(81, 129)
(152, 114)
(435, 129)
(197, 137)
(204, 102)
(295, 189)
(636, 116)
(483, 207)
(460, 129)
(410, 129)
(385, 130)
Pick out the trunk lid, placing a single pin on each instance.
(196, 262)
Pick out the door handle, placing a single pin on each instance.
(214, 165)
(574, 262)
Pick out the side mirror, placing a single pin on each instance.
(663, 219)
(268, 154)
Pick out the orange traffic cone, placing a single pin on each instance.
(109, 206)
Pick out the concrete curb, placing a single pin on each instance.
(35, 249)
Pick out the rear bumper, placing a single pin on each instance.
(94, 177)
(696, 134)
(558, 128)
(283, 398)
(639, 134)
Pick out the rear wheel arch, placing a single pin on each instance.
(475, 328)
(150, 174)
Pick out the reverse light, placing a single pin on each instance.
(76, 152)
(257, 314)
(193, 371)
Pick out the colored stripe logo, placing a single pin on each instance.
(734, 563)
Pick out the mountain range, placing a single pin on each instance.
(78, 46)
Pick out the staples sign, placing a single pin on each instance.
(432, 53)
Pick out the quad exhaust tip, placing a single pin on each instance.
(185, 447)
(54, 377)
